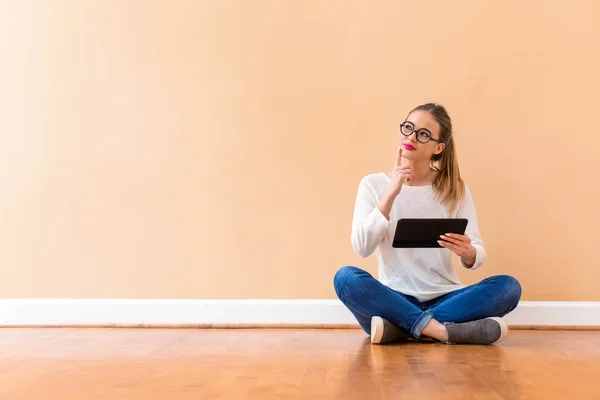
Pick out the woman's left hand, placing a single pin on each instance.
(459, 245)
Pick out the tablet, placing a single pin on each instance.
(425, 232)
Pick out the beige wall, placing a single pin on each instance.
(213, 149)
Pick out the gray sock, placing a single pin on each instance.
(484, 331)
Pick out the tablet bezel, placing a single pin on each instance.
(431, 228)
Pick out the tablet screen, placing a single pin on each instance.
(425, 232)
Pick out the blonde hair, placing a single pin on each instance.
(448, 185)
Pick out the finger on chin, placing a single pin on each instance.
(398, 156)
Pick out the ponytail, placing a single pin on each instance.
(447, 185)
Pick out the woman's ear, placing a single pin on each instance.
(439, 148)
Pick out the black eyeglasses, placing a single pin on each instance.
(407, 128)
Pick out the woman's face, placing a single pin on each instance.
(423, 124)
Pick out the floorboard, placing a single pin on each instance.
(290, 364)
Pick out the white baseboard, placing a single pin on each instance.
(127, 312)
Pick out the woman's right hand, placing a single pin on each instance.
(399, 175)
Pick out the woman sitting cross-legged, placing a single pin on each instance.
(418, 293)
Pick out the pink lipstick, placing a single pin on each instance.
(409, 146)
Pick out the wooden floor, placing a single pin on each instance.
(290, 364)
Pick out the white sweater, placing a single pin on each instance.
(422, 273)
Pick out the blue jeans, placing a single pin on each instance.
(366, 297)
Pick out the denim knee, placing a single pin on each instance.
(344, 277)
(510, 289)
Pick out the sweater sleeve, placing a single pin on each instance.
(467, 210)
(368, 223)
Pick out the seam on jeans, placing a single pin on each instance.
(470, 289)
(351, 304)
(361, 311)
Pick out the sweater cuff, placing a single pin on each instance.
(478, 260)
(380, 222)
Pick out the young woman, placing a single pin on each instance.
(418, 293)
